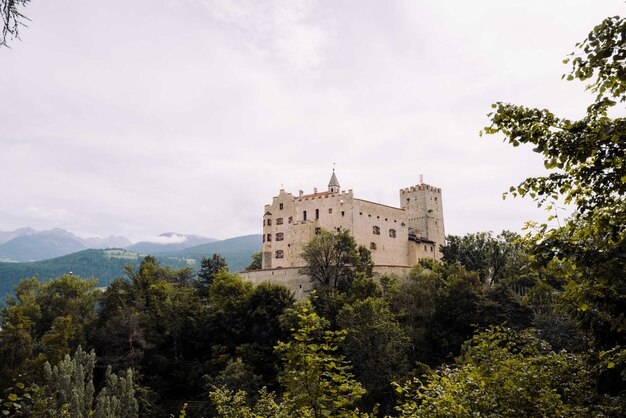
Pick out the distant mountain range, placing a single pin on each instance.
(108, 264)
(168, 242)
(27, 244)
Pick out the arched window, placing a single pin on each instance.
(376, 230)
(392, 233)
(304, 215)
(317, 213)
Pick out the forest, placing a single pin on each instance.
(504, 325)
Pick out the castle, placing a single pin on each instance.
(397, 238)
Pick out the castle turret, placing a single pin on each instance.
(424, 213)
(333, 184)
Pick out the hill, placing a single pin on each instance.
(27, 244)
(9, 235)
(40, 246)
(168, 242)
(237, 251)
(108, 264)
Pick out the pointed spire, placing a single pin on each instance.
(333, 184)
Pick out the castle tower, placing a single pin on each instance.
(424, 212)
(333, 184)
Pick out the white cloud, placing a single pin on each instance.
(167, 239)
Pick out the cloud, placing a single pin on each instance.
(286, 31)
(167, 239)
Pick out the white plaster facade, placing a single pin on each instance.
(395, 236)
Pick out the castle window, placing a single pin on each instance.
(317, 213)
(263, 237)
(372, 245)
(290, 220)
(269, 222)
(431, 249)
(280, 236)
(269, 237)
(392, 233)
(279, 254)
(279, 221)
(330, 210)
(376, 230)
(263, 222)
(304, 215)
(425, 249)
(280, 206)
(343, 213)
(317, 230)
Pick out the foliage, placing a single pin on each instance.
(231, 404)
(492, 257)
(333, 259)
(587, 163)
(44, 322)
(69, 391)
(504, 373)
(210, 267)
(12, 19)
(377, 347)
(314, 375)
(257, 261)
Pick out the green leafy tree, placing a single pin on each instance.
(586, 159)
(210, 267)
(331, 258)
(44, 322)
(315, 376)
(482, 252)
(257, 261)
(504, 373)
(233, 404)
(377, 346)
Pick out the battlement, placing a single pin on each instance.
(420, 187)
(323, 195)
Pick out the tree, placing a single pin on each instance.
(315, 377)
(484, 253)
(44, 322)
(257, 260)
(503, 373)
(12, 19)
(209, 267)
(70, 391)
(331, 259)
(587, 163)
(376, 345)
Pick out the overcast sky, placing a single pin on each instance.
(138, 117)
